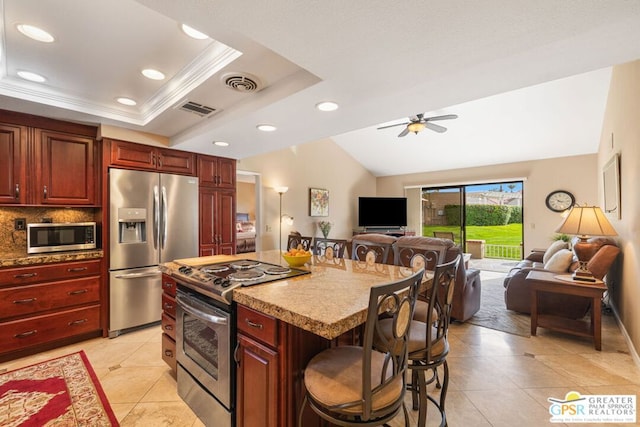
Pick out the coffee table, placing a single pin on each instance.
(544, 281)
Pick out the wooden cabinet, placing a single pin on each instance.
(12, 153)
(147, 157)
(61, 163)
(48, 305)
(217, 172)
(169, 321)
(217, 221)
(217, 183)
(271, 356)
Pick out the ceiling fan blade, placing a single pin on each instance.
(404, 132)
(390, 126)
(445, 117)
(435, 127)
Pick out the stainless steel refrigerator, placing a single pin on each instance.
(153, 219)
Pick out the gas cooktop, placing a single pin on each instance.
(219, 279)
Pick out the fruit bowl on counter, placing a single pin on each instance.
(297, 257)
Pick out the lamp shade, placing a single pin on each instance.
(586, 220)
(281, 190)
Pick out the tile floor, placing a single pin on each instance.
(497, 379)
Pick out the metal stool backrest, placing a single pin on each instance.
(362, 250)
(330, 248)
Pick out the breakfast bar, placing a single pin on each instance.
(282, 324)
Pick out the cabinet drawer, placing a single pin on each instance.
(169, 351)
(46, 272)
(169, 305)
(19, 334)
(169, 285)
(258, 325)
(169, 325)
(30, 299)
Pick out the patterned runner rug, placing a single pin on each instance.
(493, 313)
(59, 392)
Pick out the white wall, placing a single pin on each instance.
(621, 134)
(320, 164)
(577, 174)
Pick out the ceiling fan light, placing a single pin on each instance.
(415, 127)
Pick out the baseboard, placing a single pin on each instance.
(627, 338)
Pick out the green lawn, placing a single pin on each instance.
(510, 234)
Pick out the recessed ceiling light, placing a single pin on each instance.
(35, 33)
(126, 101)
(266, 128)
(32, 77)
(221, 143)
(152, 74)
(193, 33)
(327, 106)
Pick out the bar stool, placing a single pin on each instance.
(358, 385)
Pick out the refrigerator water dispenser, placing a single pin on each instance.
(132, 225)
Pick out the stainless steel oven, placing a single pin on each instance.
(204, 336)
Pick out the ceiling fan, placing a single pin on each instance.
(419, 122)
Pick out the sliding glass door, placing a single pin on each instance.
(484, 219)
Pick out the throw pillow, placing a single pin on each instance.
(560, 261)
(553, 248)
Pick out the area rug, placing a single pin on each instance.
(493, 313)
(59, 392)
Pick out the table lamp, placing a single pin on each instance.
(585, 221)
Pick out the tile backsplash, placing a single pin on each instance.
(15, 241)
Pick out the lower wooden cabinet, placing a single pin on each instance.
(169, 321)
(271, 356)
(46, 305)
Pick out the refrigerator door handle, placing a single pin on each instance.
(164, 217)
(156, 216)
(138, 275)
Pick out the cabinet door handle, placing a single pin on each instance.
(153, 159)
(78, 292)
(26, 334)
(159, 161)
(168, 306)
(236, 356)
(77, 269)
(77, 322)
(168, 353)
(253, 324)
(168, 328)
(25, 275)
(25, 301)
(45, 191)
(168, 285)
(17, 191)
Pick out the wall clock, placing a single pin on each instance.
(560, 200)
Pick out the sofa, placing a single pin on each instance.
(517, 295)
(466, 294)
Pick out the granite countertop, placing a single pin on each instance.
(330, 301)
(24, 259)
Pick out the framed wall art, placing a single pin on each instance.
(318, 202)
(611, 183)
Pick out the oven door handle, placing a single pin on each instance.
(210, 317)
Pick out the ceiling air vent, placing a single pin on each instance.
(242, 82)
(195, 108)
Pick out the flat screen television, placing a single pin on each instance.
(382, 212)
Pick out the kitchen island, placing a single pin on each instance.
(281, 325)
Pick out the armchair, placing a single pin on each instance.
(517, 295)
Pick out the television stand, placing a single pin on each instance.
(389, 231)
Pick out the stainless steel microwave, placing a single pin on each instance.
(60, 237)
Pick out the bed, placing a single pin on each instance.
(245, 234)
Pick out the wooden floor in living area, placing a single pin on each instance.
(497, 379)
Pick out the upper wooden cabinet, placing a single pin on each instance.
(68, 173)
(147, 157)
(218, 172)
(12, 168)
(52, 164)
